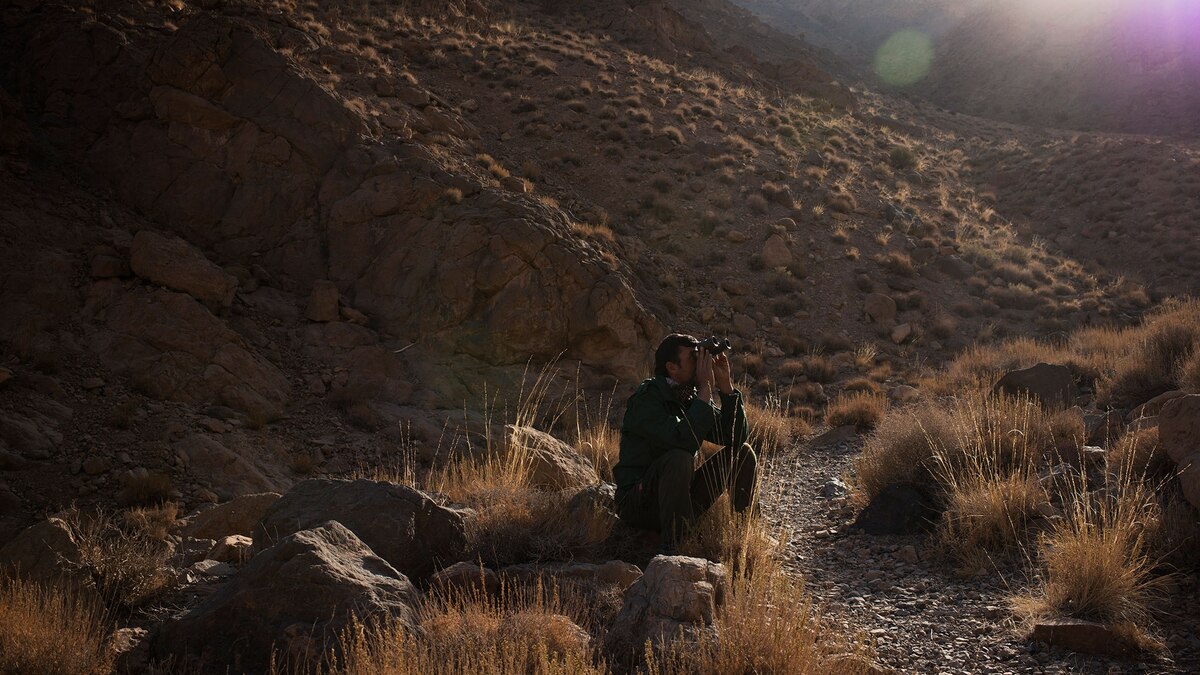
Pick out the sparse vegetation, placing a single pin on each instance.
(44, 629)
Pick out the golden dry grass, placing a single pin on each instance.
(864, 410)
(518, 631)
(46, 630)
(126, 559)
(772, 426)
(987, 506)
(1095, 563)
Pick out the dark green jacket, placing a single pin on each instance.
(656, 421)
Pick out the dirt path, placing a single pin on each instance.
(923, 616)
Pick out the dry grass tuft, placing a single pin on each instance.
(128, 561)
(988, 504)
(519, 631)
(45, 630)
(1094, 563)
(864, 410)
(1138, 454)
(772, 426)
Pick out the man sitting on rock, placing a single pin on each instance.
(666, 420)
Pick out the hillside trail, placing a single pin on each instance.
(922, 615)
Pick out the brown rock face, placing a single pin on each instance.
(176, 264)
(401, 524)
(293, 597)
(175, 349)
(1050, 385)
(236, 516)
(556, 465)
(676, 595)
(48, 553)
(1179, 426)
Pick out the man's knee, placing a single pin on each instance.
(747, 457)
(677, 464)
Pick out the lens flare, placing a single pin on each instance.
(904, 59)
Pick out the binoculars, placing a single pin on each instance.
(714, 345)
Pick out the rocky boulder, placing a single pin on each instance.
(1179, 427)
(1049, 384)
(226, 471)
(1179, 434)
(775, 252)
(1154, 406)
(236, 516)
(174, 263)
(292, 598)
(555, 465)
(676, 596)
(405, 527)
(48, 553)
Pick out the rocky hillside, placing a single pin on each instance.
(328, 250)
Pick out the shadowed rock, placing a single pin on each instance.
(402, 525)
(293, 598)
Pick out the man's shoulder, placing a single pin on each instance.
(649, 387)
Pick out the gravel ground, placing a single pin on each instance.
(924, 615)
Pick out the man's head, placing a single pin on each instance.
(676, 358)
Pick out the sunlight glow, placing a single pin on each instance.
(904, 58)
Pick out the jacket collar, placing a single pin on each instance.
(673, 394)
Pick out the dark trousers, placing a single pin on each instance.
(672, 494)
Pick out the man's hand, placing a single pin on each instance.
(721, 375)
(704, 375)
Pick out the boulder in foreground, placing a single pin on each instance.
(402, 525)
(292, 598)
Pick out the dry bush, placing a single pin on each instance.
(929, 442)
(815, 367)
(864, 410)
(902, 449)
(740, 540)
(519, 631)
(128, 564)
(772, 426)
(45, 630)
(898, 263)
(1138, 454)
(153, 522)
(757, 203)
(1094, 563)
(987, 506)
(596, 438)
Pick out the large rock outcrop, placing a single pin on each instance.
(292, 598)
(402, 525)
(172, 347)
(676, 597)
(1179, 433)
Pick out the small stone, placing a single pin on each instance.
(92, 383)
(5, 376)
(775, 252)
(212, 568)
(908, 554)
(736, 236)
(904, 393)
(834, 488)
(214, 425)
(901, 333)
